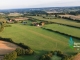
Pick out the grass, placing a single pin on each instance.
(2, 20)
(67, 30)
(55, 58)
(38, 39)
(59, 20)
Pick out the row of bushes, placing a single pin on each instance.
(32, 19)
(2, 26)
(49, 22)
(62, 33)
(19, 44)
(50, 54)
(49, 17)
(7, 25)
(21, 51)
(18, 52)
(69, 18)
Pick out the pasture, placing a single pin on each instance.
(64, 29)
(38, 39)
(58, 20)
(56, 58)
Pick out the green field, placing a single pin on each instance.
(59, 20)
(55, 58)
(38, 39)
(64, 29)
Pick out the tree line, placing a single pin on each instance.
(50, 54)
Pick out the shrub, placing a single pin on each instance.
(10, 56)
(7, 26)
(45, 57)
(23, 46)
(20, 51)
(2, 26)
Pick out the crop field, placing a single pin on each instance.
(72, 16)
(2, 19)
(59, 20)
(38, 39)
(67, 30)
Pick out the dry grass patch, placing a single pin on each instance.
(77, 57)
(6, 47)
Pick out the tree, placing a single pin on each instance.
(10, 56)
(19, 51)
(2, 26)
(56, 15)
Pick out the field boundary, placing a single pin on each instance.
(50, 22)
(60, 33)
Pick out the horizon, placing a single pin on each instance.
(16, 4)
(39, 7)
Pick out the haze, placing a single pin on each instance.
(11, 4)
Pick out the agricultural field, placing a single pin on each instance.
(38, 39)
(58, 20)
(2, 20)
(56, 58)
(71, 16)
(64, 29)
(6, 47)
